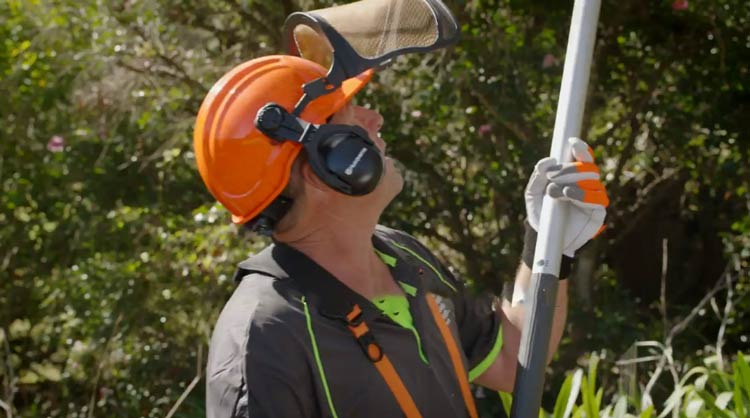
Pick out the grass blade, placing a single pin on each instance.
(562, 398)
(647, 412)
(711, 404)
(737, 392)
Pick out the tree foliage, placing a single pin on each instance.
(116, 261)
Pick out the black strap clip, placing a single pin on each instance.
(361, 332)
(370, 347)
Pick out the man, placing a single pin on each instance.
(342, 317)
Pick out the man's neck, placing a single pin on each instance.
(347, 252)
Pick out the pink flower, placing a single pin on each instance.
(549, 61)
(484, 129)
(56, 144)
(680, 5)
(416, 113)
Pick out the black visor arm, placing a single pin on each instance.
(276, 123)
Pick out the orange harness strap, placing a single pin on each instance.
(373, 351)
(458, 364)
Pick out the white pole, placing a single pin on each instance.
(532, 356)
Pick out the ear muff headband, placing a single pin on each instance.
(343, 156)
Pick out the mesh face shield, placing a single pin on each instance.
(353, 38)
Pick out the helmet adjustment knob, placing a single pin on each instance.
(278, 124)
(269, 118)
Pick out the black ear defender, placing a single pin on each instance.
(343, 156)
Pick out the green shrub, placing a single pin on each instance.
(703, 391)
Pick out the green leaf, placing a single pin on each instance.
(711, 404)
(592, 371)
(568, 395)
(28, 377)
(695, 370)
(591, 397)
(621, 407)
(738, 392)
(647, 412)
(739, 402)
(719, 381)
(23, 213)
(700, 382)
(47, 371)
(674, 400)
(578, 412)
(722, 400)
(19, 328)
(693, 407)
(744, 370)
(562, 397)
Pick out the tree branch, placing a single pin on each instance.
(193, 383)
(251, 18)
(9, 386)
(718, 287)
(515, 130)
(651, 196)
(100, 367)
(181, 74)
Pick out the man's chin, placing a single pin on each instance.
(394, 163)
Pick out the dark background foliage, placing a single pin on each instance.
(114, 260)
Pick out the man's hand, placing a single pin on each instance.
(577, 182)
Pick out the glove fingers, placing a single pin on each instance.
(575, 177)
(538, 180)
(544, 164)
(591, 197)
(583, 198)
(581, 150)
(590, 184)
(586, 199)
(535, 190)
(579, 183)
(574, 173)
(574, 167)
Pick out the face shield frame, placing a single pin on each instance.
(345, 61)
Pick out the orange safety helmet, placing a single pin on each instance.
(242, 168)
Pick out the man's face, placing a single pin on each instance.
(371, 121)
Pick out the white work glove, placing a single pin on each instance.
(576, 182)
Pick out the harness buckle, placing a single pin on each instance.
(370, 347)
(361, 332)
(355, 317)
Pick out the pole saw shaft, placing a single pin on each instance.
(532, 355)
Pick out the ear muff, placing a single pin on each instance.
(345, 159)
(342, 156)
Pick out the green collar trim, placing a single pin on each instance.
(387, 259)
(408, 289)
(428, 264)
(396, 307)
(391, 262)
